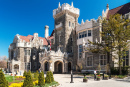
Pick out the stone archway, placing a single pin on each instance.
(46, 66)
(58, 66)
(69, 66)
(16, 67)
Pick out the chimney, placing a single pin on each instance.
(46, 31)
(107, 6)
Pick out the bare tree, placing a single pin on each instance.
(3, 62)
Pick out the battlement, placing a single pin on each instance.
(88, 24)
(66, 6)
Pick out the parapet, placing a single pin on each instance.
(66, 6)
(88, 24)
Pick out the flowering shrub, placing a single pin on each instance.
(105, 75)
(16, 84)
(20, 77)
(35, 82)
(98, 76)
(20, 84)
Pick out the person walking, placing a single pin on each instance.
(95, 72)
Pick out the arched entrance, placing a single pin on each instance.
(69, 66)
(16, 67)
(46, 66)
(58, 67)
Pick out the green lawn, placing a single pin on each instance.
(9, 78)
(50, 84)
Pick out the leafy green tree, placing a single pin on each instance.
(115, 35)
(41, 79)
(25, 73)
(48, 77)
(121, 33)
(28, 82)
(3, 82)
(51, 75)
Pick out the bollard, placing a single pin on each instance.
(71, 77)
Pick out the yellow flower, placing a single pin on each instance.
(16, 84)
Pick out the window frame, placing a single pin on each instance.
(89, 33)
(102, 59)
(90, 56)
(80, 48)
(125, 58)
(69, 24)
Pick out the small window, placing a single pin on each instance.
(26, 52)
(89, 32)
(103, 60)
(72, 25)
(80, 51)
(85, 33)
(69, 23)
(126, 59)
(80, 35)
(71, 39)
(71, 49)
(89, 61)
(59, 38)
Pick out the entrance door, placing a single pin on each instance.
(69, 67)
(58, 67)
(46, 66)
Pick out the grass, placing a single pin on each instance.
(50, 84)
(120, 76)
(9, 78)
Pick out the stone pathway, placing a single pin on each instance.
(64, 81)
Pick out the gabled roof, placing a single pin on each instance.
(27, 39)
(123, 9)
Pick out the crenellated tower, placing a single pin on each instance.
(66, 18)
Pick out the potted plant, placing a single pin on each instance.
(105, 77)
(85, 79)
(98, 77)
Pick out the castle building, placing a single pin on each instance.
(63, 50)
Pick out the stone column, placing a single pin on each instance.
(50, 65)
(66, 67)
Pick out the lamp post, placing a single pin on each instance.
(71, 77)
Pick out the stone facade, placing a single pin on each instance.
(64, 49)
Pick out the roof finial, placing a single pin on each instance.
(82, 21)
(107, 6)
(72, 4)
(83, 42)
(59, 4)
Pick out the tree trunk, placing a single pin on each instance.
(108, 61)
(120, 72)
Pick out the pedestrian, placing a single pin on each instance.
(39, 70)
(95, 72)
(20, 73)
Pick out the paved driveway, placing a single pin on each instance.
(64, 81)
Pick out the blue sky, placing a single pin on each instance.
(29, 16)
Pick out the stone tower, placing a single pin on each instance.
(66, 19)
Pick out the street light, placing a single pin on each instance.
(71, 77)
